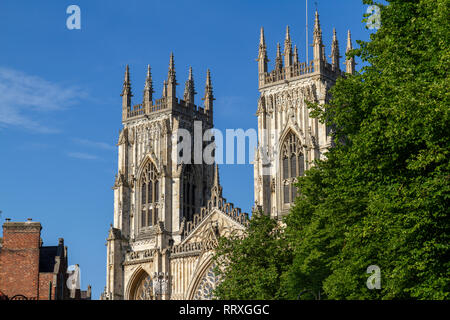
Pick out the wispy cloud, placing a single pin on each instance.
(24, 96)
(82, 156)
(93, 144)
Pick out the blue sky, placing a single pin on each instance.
(60, 109)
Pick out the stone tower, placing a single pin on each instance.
(168, 204)
(289, 140)
(154, 194)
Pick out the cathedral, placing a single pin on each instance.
(169, 214)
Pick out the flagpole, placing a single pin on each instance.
(307, 61)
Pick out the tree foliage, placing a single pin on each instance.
(251, 266)
(381, 196)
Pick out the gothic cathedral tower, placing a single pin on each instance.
(155, 195)
(289, 140)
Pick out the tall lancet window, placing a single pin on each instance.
(189, 192)
(292, 166)
(149, 195)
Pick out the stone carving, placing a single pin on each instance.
(145, 290)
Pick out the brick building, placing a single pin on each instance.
(29, 270)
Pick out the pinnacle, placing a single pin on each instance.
(127, 74)
(288, 36)
(208, 78)
(278, 50)
(216, 175)
(262, 40)
(317, 22)
(349, 41)
(191, 77)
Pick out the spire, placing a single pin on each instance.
(189, 90)
(318, 51)
(216, 190)
(350, 61)
(278, 60)
(288, 36)
(216, 175)
(126, 82)
(287, 49)
(171, 79)
(262, 39)
(126, 94)
(317, 28)
(191, 76)
(262, 54)
(349, 42)
(335, 52)
(164, 94)
(295, 55)
(209, 96)
(171, 65)
(148, 88)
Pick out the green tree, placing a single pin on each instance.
(251, 266)
(381, 197)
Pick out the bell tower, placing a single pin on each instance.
(157, 189)
(289, 139)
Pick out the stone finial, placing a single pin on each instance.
(288, 36)
(335, 52)
(287, 49)
(278, 59)
(164, 94)
(216, 175)
(262, 39)
(171, 79)
(278, 50)
(317, 23)
(350, 61)
(262, 54)
(126, 90)
(126, 94)
(318, 50)
(189, 90)
(209, 96)
(295, 54)
(148, 88)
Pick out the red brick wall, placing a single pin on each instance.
(44, 280)
(19, 259)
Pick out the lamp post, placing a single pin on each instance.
(160, 284)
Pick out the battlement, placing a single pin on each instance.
(288, 67)
(168, 101)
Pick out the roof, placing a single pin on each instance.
(47, 257)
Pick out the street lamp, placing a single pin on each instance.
(160, 284)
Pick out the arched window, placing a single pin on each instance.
(293, 165)
(149, 195)
(189, 192)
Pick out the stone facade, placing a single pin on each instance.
(168, 214)
(289, 140)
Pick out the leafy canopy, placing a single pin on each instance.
(381, 196)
